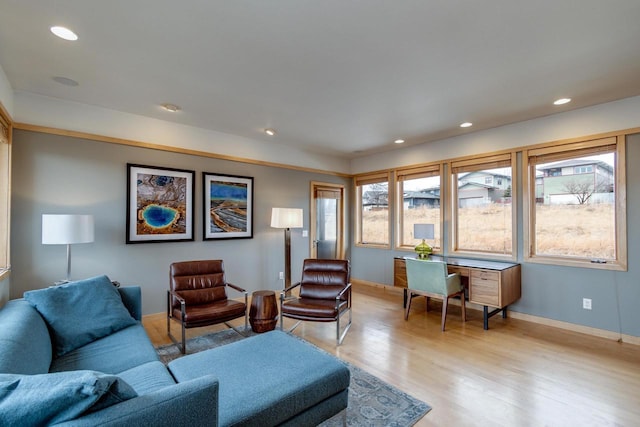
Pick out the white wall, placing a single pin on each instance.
(612, 116)
(60, 174)
(6, 92)
(51, 112)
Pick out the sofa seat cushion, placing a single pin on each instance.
(148, 377)
(267, 379)
(112, 354)
(80, 312)
(25, 344)
(43, 399)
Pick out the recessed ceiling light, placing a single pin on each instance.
(399, 141)
(171, 107)
(466, 124)
(561, 101)
(64, 33)
(65, 81)
(270, 132)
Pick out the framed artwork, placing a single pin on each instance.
(228, 206)
(159, 204)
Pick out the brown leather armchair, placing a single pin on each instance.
(197, 297)
(324, 295)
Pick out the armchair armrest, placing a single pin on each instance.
(237, 288)
(285, 294)
(346, 289)
(176, 296)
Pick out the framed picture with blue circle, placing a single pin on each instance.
(160, 204)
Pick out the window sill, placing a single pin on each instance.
(609, 265)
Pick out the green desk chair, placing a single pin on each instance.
(431, 280)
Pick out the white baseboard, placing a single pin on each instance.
(602, 333)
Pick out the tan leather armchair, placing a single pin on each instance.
(324, 295)
(431, 279)
(197, 297)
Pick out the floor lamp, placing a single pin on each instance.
(286, 218)
(67, 230)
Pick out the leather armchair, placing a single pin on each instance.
(324, 295)
(431, 279)
(197, 297)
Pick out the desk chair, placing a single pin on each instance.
(431, 280)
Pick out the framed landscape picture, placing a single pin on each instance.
(228, 206)
(159, 204)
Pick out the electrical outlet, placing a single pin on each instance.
(281, 275)
(586, 303)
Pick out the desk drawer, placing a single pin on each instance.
(485, 287)
(490, 275)
(460, 270)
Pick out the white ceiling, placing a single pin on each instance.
(341, 77)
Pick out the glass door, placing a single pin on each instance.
(327, 220)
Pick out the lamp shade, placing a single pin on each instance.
(423, 231)
(66, 229)
(286, 218)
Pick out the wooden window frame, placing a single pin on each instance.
(372, 178)
(559, 151)
(415, 172)
(6, 130)
(476, 163)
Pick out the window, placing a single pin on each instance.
(575, 218)
(583, 169)
(372, 192)
(482, 213)
(418, 202)
(5, 182)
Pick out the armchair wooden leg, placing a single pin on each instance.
(445, 303)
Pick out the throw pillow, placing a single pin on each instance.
(44, 399)
(80, 312)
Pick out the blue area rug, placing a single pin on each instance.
(372, 402)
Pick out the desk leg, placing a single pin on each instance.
(486, 314)
(485, 317)
(404, 301)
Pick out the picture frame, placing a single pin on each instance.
(160, 204)
(227, 206)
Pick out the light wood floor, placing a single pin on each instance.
(517, 373)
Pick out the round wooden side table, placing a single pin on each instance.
(263, 314)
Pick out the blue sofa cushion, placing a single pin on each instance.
(25, 344)
(122, 350)
(267, 379)
(43, 399)
(80, 312)
(148, 377)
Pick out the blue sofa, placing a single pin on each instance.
(117, 378)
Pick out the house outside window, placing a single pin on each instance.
(418, 202)
(373, 221)
(483, 214)
(575, 216)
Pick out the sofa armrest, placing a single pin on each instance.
(190, 403)
(132, 299)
